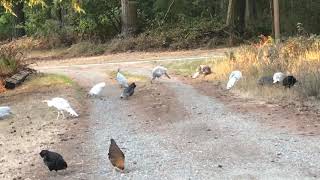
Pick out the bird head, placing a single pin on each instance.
(118, 69)
(133, 85)
(48, 102)
(43, 153)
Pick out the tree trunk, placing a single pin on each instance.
(236, 15)
(128, 17)
(230, 14)
(20, 19)
(276, 20)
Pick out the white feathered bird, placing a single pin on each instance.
(121, 79)
(233, 78)
(96, 89)
(278, 77)
(5, 111)
(61, 105)
(159, 71)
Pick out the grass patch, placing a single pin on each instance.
(131, 77)
(45, 80)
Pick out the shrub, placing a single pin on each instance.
(85, 49)
(10, 61)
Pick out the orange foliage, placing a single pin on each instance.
(2, 88)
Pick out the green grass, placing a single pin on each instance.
(132, 77)
(49, 80)
(7, 67)
(187, 68)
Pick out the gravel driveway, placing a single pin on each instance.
(169, 130)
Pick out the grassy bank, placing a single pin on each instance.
(299, 57)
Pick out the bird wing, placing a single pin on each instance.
(122, 79)
(4, 111)
(95, 90)
(62, 104)
(231, 82)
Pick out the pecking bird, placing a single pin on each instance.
(265, 80)
(159, 71)
(61, 105)
(278, 77)
(116, 156)
(53, 160)
(121, 79)
(289, 81)
(128, 91)
(202, 69)
(96, 89)
(4, 111)
(233, 78)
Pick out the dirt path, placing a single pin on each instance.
(169, 130)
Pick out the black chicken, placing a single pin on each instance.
(289, 81)
(128, 91)
(53, 160)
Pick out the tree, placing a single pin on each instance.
(128, 17)
(276, 20)
(236, 15)
(20, 19)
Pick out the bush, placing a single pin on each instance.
(10, 61)
(85, 49)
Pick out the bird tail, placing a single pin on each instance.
(72, 112)
(231, 82)
(167, 75)
(195, 75)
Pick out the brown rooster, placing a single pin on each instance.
(116, 156)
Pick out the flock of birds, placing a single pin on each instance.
(54, 161)
(287, 80)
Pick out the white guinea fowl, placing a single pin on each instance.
(278, 77)
(61, 105)
(159, 71)
(122, 80)
(233, 78)
(96, 89)
(4, 111)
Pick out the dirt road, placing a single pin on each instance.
(169, 130)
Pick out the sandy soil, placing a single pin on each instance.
(296, 117)
(34, 127)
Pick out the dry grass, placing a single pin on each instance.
(297, 56)
(11, 60)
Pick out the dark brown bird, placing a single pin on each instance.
(53, 160)
(116, 156)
